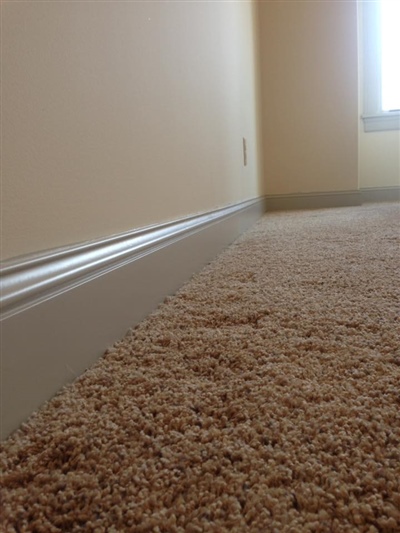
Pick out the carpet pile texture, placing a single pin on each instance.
(263, 397)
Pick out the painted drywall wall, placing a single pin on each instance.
(117, 115)
(379, 158)
(309, 96)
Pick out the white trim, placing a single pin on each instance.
(382, 122)
(380, 194)
(313, 200)
(29, 280)
(62, 309)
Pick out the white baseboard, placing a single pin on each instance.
(283, 202)
(380, 194)
(62, 309)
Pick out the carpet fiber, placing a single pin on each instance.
(263, 397)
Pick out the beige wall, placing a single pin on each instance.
(309, 91)
(120, 115)
(379, 159)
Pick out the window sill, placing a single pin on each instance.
(383, 122)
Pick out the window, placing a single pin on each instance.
(390, 37)
(380, 26)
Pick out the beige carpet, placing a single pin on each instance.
(263, 397)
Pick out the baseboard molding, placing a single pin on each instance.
(285, 202)
(62, 309)
(380, 194)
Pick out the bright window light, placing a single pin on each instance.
(390, 32)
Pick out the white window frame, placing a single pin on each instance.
(374, 118)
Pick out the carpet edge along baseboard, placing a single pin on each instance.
(316, 200)
(320, 200)
(62, 309)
